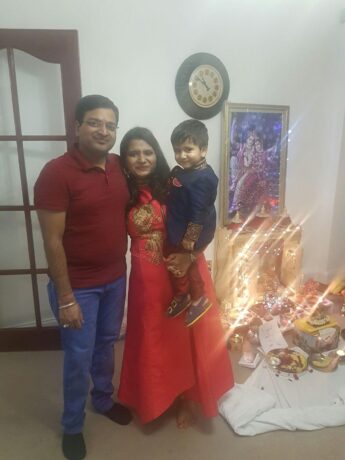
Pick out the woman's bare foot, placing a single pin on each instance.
(186, 414)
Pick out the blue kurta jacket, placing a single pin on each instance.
(191, 198)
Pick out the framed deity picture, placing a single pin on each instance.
(254, 161)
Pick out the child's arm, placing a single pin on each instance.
(202, 195)
(180, 262)
(191, 236)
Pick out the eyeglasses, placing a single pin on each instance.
(99, 124)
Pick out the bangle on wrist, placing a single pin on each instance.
(67, 305)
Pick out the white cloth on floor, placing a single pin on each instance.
(269, 401)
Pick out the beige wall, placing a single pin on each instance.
(276, 52)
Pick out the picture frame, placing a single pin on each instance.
(254, 156)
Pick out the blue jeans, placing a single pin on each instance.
(90, 350)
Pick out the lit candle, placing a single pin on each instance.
(236, 342)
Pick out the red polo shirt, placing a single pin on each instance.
(95, 239)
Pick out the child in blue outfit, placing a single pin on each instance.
(191, 215)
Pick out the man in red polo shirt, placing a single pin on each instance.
(81, 199)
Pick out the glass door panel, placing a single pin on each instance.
(14, 247)
(40, 258)
(10, 186)
(37, 154)
(40, 95)
(22, 313)
(6, 109)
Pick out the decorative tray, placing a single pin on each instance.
(287, 360)
(318, 320)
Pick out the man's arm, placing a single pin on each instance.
(53, 226)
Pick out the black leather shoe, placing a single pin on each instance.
(119, 414)
(73, 446)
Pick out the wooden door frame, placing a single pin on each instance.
(58, 47)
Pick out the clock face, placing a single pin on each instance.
(205, 86)
(202, 85)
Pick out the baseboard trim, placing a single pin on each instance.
(30, 339)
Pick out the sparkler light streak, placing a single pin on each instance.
(257, 249)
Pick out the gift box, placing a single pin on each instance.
(313, 339)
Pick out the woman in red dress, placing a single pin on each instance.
(164, 360)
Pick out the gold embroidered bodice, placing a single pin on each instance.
(146, 228)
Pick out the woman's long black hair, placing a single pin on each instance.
(159, 178)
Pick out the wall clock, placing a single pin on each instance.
(202, 85)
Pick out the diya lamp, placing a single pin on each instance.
(263, 212)
(235, 342)
(237, 219)
(253, 336)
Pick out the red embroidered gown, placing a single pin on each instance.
(162, 357)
